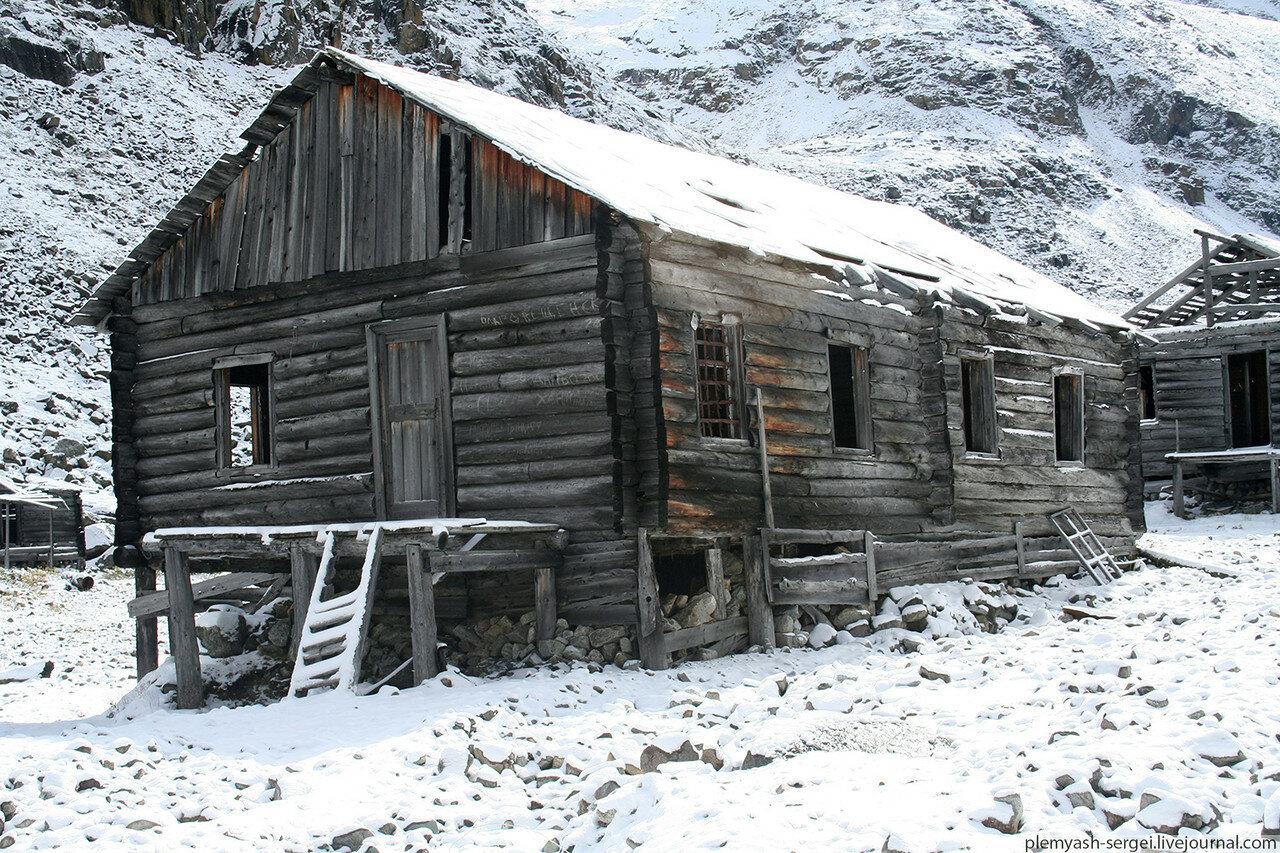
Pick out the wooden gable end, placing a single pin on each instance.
(355, 181)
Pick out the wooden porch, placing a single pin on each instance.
(431, 548)
(1181, 460)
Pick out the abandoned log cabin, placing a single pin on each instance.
(40, 526)
(1210, 370)
(411, 299)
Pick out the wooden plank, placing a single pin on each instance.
(869, 544)
(653, 652)
(157, 603)
(303, 566)
(182, 629)
(147, 633)
(422, 614)
(759, 612)
(496, 561)
(544, 595)
(715, 582)
(702, 635)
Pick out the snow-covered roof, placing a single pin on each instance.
(674, 189)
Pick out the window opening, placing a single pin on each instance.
(244, 415)
(1250, 398)
(850, 396)
(444, 167)
(1068, 417)
(978, 403)
(715, 348)
(1147, 391)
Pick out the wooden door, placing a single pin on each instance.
(413, 448)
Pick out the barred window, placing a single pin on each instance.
(719, 391)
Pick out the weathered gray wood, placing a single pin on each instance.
(715, 581)
(869, 545)
(544, 595)
(303, 566)
(422, 614)
(653, 653)
(759, 613)
(182, 629)
(702, 635)
(157, 603)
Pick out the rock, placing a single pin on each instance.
(222, 630)
(786, 623)
(551, 648)
(1166, 813)
(934, 675)
(1008, 816)
(33, 57)
(822, 635)
(351, 840)
(860, 628)
(846, 616)
(141, 825)
(8, 808)
(894, 844)
(698, 611)
(1118, 811)
(911, 644)
(915, 616)
(601, 637)
(1271, 816)
(87, 785)
(755, 759)
(652, 756)
(1157, 700)
(1219, 748)
(790, 640)
(844, 638)
(1080, 795)
(574, 653)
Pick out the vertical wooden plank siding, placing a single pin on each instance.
(352, 184)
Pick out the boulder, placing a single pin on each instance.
(1006, 816)
(1166, 813)
(222, 630)
(351, 840)
(697, 611)
(1219, 748)
(822, 635)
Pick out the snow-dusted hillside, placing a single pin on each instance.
(1085, 138)
(1079, 136)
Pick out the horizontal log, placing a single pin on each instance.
(157, 603)
(701, 635)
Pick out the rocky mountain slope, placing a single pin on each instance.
(1084, 137)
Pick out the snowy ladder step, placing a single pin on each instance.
(1085, 545)
(333, 637)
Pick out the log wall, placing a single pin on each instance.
(354, 182)
(1023, 481)
(1190, 395)
(714, 484)
(534, 403)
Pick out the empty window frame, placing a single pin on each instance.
(1068, 416)
(1248, 398)
(717, 356)
(850, 396)
(978, 404)
(454, 180)
(1147, 392)
(242, 402)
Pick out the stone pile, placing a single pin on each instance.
(985, 607)
(474, 647)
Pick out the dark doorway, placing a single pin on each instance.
(1248, 399)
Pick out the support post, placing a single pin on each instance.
(544, 597)
(147, 635)
(1022, 548)
(1179, 503)
(423, 629)
(1275, 483)
(7, 510)
(715, 581)
(653, 647)
(51, 537)
(869, 547)
(182, 628)
(759, 613)
(303, 566)
(766, 483)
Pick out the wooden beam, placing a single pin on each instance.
(182, 629)
(424, 631)
(148, 629)
(1245, 266)
(701, 635)
(1170, 285)
(544, 596)
(715, 582)
(1179, 506)
(869, 544)
(653, 653)
(303, 566)
(154, 604)
(759, 613)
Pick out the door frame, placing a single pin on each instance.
(376, 335)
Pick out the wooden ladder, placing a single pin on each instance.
(334, 636)
(1084, 543)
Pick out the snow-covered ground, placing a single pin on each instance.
(1168, 699)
